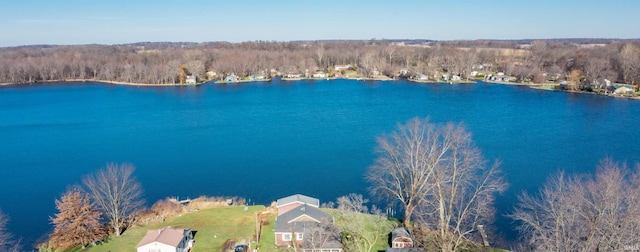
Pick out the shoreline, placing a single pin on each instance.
(123, 83)
(539, 86)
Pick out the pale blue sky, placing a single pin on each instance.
(25, 22)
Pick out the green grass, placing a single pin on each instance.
(214, 226)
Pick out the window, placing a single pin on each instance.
(286, 237)
(299, 236)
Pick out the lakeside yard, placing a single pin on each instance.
(213, 227)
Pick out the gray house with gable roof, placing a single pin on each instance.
(287, 203)
(301, 223)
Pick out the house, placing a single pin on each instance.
(455, 77)
(473, 73)
(232, 78)
(402, 241)
(293, 75)
(319, 75)
(166, 240)
(400, 238)
(341, 67)
(190, 79)
(423, 77)
(287, 203)
(499, 78)
(623, 90)
(301, 223)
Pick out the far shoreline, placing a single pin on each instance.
(538, 86)
(123, 83)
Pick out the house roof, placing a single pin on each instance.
(169, 236)
(400, 232)
(298, 198)
(405, 250)
(298, 218)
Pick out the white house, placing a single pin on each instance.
(341, 67)
(623, 90)
(191, 79)
(319, 75)
(166, 240)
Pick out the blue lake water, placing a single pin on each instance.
(264, 141)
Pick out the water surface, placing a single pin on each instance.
(265, 141)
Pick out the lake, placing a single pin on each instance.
(263, 141)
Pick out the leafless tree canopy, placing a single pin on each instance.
(7, 244)
(583, 213)
(319, 235)
(439, 176)
(116, 192)
(406, 164)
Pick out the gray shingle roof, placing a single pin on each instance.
(298, 198)
(287, 221)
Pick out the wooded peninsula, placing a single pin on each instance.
(587, 65)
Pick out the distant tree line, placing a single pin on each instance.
(583, 62)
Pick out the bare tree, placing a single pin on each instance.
(116, 192)
(583, 213)
(321, 235)
(405, 165)
(7, 244)
(438, 172)
(464, 189)
(363, 227)
(630, 61)
(77, 223)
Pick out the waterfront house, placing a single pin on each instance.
(293, 75)
(341, 67)
(166, 240)
(190, 79)
(623, 90)
(232, 78)
(319, 75)
(300, 222)
(287, 203)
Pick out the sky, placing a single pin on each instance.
(66, 22)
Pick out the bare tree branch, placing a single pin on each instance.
(116, 192)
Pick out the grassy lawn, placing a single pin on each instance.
(214, 226)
